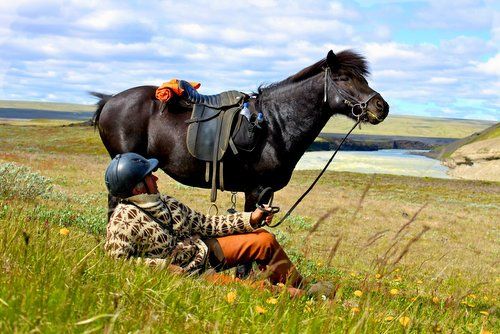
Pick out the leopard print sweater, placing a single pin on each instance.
(132, 233)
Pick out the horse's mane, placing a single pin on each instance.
(349, 60)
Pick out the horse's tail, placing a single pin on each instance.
(103, 98)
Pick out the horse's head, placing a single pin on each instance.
(348, 91)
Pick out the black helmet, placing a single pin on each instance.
(125, 171)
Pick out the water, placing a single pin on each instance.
(19, 113)
(397, 162)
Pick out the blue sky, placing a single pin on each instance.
(428, 58)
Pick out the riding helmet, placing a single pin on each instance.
(125, 171)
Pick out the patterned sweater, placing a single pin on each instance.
(131, 232)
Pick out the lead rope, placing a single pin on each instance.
(316, 180)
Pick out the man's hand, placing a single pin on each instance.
(175, 269)
(261, 217)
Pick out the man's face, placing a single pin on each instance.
(151, 184)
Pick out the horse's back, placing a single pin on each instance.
(124, 119)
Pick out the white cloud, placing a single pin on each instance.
(390, 51)
(66, 49)
(491, 66)
(338, 10)
(106, 19)
(442, 80)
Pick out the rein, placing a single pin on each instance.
(351, 102)
(287, 214)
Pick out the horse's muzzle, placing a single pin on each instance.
(377, 110)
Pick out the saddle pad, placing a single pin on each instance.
(226, 99)
(208, 139)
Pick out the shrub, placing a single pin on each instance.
(17, 181)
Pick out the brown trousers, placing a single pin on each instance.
(259, 246)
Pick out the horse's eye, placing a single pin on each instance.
(341, 78)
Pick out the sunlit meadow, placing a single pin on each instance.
(404, 254)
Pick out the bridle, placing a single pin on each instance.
(349, 100)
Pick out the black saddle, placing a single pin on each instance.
(213, 121)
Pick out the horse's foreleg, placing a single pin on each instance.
(243, 270)
(112, 204)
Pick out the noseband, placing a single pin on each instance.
(349, 100)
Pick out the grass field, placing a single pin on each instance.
(437, 272)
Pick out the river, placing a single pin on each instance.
(397, 162)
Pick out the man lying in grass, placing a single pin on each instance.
(160, 231)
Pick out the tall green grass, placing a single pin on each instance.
(55, 278)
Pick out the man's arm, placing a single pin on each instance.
(119, 245)
(214, 226)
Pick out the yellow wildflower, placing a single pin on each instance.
(394, 292)
(485, 331)
(413, 299)
(358, 293)
(272, 300)
(355, 310)
(404, 321)
(398, 279)
(260, 310)
(435, 300)
(378, 276)
(420, 282)
(486, 313)
(389, 318)
(353, 274)
(471, 305)
(231, 297)
(473, 296)
(64, 231)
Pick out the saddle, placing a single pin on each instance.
(210, 129)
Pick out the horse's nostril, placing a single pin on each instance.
(379, 104)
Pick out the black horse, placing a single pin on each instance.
(295, 110)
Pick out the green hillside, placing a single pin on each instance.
(446, 151)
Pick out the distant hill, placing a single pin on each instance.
(49, 106)
(474, 157)
(411, 126)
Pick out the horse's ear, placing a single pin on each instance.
(332, 61)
